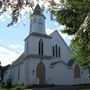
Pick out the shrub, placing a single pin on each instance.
(9, 83)
(19, 87)
(28, 86)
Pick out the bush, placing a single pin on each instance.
(19, 87)
(28, 86)
(9, 83)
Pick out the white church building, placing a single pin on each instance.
(46, 59)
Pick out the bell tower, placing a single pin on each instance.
(37, 22)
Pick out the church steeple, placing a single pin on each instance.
(37, 10)
(37, 24)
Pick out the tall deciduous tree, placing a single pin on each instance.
(75, 15)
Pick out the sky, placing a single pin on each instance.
(12, 38)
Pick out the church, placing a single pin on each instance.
(46, 59)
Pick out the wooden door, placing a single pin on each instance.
(40, 73)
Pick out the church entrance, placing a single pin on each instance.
(40, 73)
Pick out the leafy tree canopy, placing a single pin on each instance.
(15, 7)
(75, 15)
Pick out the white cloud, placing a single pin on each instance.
(16, 46)
(2, 18)
(7, 56)
(65, 36)
(49, 31)
(56, 23)
(5, 16)
(61, 27)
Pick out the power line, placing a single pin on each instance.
(9, 49)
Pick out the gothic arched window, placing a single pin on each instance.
(18, 73)
(53, 51)
(58, 51)
(40, 48)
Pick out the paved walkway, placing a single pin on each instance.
(85, 87)
(54, 88)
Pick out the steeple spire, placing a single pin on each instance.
(37, 10)
(37, 24)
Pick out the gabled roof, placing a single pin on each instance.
(61, 38)
(18, 60)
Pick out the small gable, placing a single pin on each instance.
(59, 38)
(60, 47)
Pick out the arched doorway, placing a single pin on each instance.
(41, 73)
(77, 71)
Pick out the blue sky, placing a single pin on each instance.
(12, 38)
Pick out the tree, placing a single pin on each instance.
(75, 15)
(15, 6)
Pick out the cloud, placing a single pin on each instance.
(56, 23)
(65, 36)
(61, 27)
(7, 56)
(16, 46)
(2, 18)
(5, 16)
(49, 31)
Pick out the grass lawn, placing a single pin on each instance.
(7, 89)
(2, 89)
(13, 88)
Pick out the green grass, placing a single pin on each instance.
(7, 89)
(12, 88)
(2, 89)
